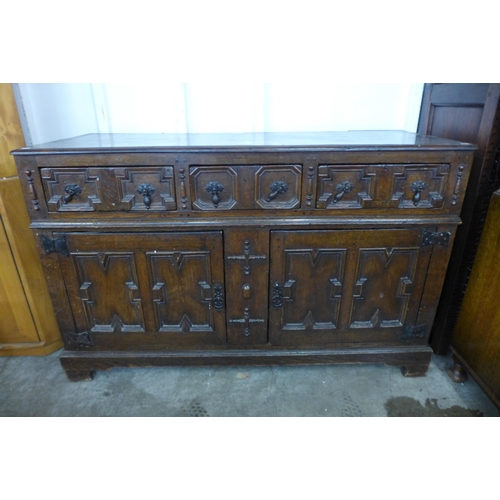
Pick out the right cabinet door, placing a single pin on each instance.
(348, 286)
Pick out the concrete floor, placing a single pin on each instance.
(37, 386)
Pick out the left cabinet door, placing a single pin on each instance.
(147, 291)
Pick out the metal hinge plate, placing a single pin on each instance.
(414, 332)
(59, 245)
(431, 238)
(81, 338)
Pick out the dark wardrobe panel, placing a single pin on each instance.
(467, 112)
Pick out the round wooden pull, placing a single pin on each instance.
(247, 291)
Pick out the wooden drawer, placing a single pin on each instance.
(109, 188)
(393, 186)
(245, 187)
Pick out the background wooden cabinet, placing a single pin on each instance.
(27, 322)
(468, 112)
(476, 341)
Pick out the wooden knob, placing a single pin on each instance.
(247, 291)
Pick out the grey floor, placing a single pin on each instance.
(37, 386)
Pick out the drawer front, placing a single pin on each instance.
(245, 187)
(109, 189)
(389, 186)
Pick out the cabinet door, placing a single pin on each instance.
(355, 286)
(146, 290)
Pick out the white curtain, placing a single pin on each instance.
(56, 111)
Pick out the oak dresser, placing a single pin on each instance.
(251, 249)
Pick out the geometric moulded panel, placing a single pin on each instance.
(346, 186)
(278, 186)
(160, 181)
(183, 293)
(312, 289)
(71, 189)
(419, 186)
(384, 283)
(109, 291)
(213, 188)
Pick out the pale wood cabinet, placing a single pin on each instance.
(27, 322)
(476, 341)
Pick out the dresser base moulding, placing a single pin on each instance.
(79, 366)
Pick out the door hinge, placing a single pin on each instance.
(431, 238)
(414, 332)
(218, 297)
(59, 245)
(277, 296)
(80, 338)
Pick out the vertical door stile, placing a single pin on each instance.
(438, 257)
(146, 287)
(270, 268)
(66, 270)
(275, 283)
(351, 270)
(70, 276)
(246, 255)
(422, 274)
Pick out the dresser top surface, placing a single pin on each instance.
(242, 142)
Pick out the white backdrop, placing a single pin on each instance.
(53, 111)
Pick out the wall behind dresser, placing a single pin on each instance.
(52, 111)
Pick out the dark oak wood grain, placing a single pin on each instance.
(467, 112)
(245, 249)
(80, 365)
(245, 142)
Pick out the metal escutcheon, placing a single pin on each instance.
(215, 188)
(277, 187)
(147, 191)
(71, 190)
